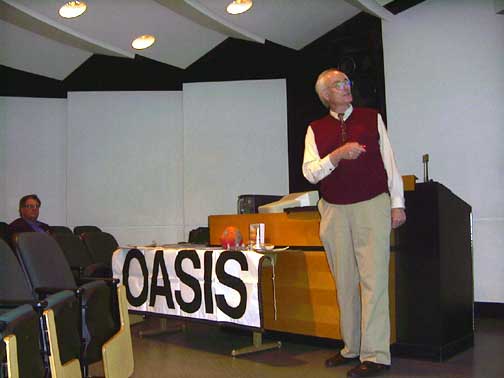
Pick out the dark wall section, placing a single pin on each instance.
(235, 59)
(106, 73)
(16, 83)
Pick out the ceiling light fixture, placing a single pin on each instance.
(239, 6)
(72, 9)
(143, 42)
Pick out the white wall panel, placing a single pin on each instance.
(445, 89)
(125, 163)
(32, 156)
(235, 142)
(488, 255)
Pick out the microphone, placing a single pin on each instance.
(425, 160)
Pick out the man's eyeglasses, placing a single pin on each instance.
(31, 206)
(340, 85)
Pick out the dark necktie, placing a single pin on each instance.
(343, 128)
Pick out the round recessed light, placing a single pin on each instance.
(239, 6)
(72, 9)
(143, 42)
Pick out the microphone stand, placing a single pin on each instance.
(425, 160)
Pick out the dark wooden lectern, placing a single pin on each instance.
(434, 280)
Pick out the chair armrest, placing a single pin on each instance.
(43, 292)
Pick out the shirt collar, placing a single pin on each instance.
(347, 113)
(33, 223)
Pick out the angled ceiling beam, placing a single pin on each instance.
(198, 13)
(499, 6)
(372, 7)
(23, 17)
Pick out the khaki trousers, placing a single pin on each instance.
(356, 239)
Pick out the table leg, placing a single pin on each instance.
(257, 346)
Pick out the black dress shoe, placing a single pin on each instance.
(338, 360)
(367, 369)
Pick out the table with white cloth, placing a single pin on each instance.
(194, 282)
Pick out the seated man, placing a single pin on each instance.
(29, 211)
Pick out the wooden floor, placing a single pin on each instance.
(204, 351)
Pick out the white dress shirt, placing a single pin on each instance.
(315, 168)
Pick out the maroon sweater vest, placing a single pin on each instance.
(352, 180)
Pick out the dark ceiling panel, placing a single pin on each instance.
(399, 6)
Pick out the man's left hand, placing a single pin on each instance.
(398, 217)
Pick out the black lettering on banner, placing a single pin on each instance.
(142, 298)
(207, 268)
(232, 282)
(189, 307)
(164, 290)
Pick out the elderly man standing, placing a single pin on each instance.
(29, 206)
(348, 152)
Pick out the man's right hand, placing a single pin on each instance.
(349, 151)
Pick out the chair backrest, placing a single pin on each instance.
(43, 261)
(74, 249)
(3, 231)
(61, 230)
(79, 230)
(101, 246)
(12, 277)
(20, 330)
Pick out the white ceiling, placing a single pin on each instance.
(35, 39)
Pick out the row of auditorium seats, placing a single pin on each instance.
(87, 249)
(78, 230)
(53, 325)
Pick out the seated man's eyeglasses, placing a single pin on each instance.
(340, 85)
(31, 206)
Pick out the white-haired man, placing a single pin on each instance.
(348, 152)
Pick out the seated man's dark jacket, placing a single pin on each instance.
(20, 225)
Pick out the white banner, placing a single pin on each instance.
(214, 285)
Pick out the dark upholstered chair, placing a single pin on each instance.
(61, 230)
(79, 230)
(29, 340)
(101, 246)
(19, 322)
(19, 339)
(3, 231)
(43, 263)
(79, 258)
(47, 269)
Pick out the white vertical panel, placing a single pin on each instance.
(445, 93)
(32, 155)
(488, 253)
(125, 164)
(235, 142)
